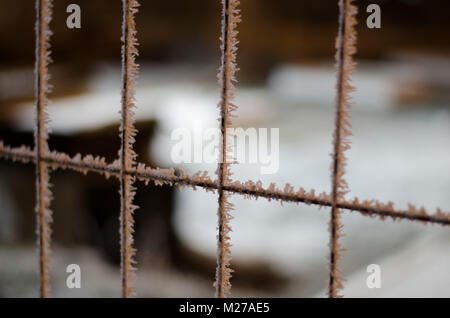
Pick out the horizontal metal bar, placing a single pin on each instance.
(144, 173)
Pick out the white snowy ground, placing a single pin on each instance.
(397, 155)
(421, 269)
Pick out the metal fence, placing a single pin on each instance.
(128, 171)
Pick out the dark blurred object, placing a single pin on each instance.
(185, 30)
(86, 208)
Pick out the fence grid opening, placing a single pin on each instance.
(127, 170)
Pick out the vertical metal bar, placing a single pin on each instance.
(127, 154)
(230, 18)
(43, 194)
(345, 48)
(223, 156)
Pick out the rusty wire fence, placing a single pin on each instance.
(128, 171)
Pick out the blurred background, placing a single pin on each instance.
(400, 148)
